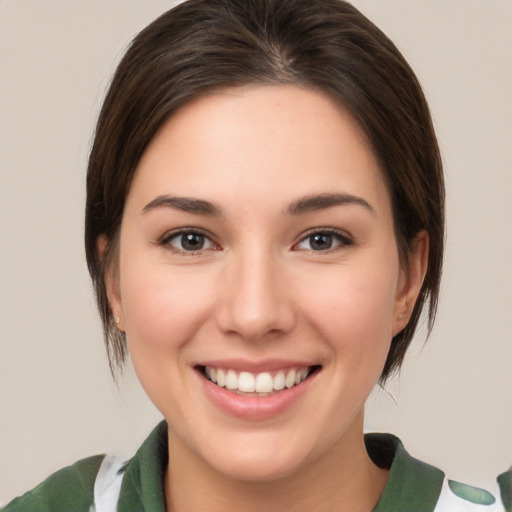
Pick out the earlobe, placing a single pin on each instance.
(111, 284)
(411, 281)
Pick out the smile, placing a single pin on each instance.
(257, 384)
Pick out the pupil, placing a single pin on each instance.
(192, 241)
(321, 241)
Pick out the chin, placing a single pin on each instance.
(259, 459)
(257, 469)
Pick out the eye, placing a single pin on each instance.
(323, 241)
(188, 241)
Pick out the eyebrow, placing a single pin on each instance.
(186, 204)
(300, 206)
(316, 202)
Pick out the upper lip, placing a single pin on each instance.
(251, 366)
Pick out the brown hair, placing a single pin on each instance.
(327, 45)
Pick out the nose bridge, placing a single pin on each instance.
(256, 302)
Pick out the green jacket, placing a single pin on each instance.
(413, 486)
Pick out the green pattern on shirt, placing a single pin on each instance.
(472, 494)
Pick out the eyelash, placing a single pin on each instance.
(165, 241)
(342, 239)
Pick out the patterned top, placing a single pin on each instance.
(107, 484)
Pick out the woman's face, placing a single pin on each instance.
(257, 249)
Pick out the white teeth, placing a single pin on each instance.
(231, 380)
(279, 381)
(261, 383)
(221, 378)
(264, 383)
(290, 379)
(246, 382)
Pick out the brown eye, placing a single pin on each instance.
(192, 241)
(320, 241)
(188, 241)
(323, 241)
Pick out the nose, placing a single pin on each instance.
(255, 301)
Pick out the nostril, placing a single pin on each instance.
(255, 322)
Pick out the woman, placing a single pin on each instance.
(264, 226)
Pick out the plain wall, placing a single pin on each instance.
(57, 400)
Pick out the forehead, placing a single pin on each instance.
(253, 141)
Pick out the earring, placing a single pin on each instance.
(116, 320)
(402, 316)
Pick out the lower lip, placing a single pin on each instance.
(257, 407)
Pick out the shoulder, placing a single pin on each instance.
(104, 483)
(416, 485)
(70, 489)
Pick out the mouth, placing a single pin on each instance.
(262, 384)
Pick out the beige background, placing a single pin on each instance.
(57, 401)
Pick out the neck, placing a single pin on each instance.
(344, 479)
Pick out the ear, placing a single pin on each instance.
(111, 284)
(411, 281)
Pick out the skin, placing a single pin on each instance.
(258, 290)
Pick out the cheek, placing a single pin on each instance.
(353, 308)
(163, 311)
(163, 306)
